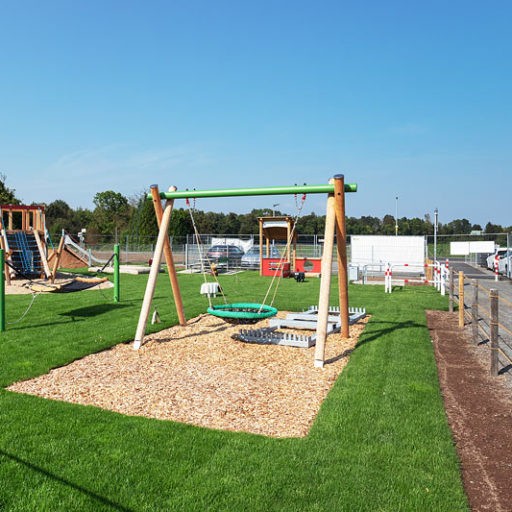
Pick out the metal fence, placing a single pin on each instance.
(136, 249)
(487, 312)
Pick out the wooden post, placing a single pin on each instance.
(169, 260)
(341, 245)
(461, 300)
(153, 275)
(325, 282)
(261, 247)
(2, 291)
(56, 261)
(40, 248)
(3, 245)
(451, 290)
(288, 242)
(474, 312)
(494, 330)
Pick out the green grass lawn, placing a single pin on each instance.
(380, 442)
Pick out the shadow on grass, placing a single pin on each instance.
(378, 333)
(56, 478)
(91, 311)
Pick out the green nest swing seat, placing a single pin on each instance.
(242, 312)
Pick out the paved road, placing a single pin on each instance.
(485, 280)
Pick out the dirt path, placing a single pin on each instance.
(479, 410)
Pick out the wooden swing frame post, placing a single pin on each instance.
(153, 275)
(335, 222)
(169, 260)
(341, 245)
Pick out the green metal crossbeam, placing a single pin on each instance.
(264, 191)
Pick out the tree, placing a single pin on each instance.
(388, 225)
(493, 228)
(112, 212)
(7, 195)
(143, 225)
(181, 224)
(59, 216)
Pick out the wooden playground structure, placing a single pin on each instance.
(23, 238)
(334, 225)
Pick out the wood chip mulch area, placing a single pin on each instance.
(199, 375)
(479, 410)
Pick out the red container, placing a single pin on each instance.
(274, 266)
(308, 265)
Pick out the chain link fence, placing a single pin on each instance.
(187, 252)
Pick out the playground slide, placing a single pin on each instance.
(82, 253)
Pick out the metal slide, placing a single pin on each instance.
(80, 252)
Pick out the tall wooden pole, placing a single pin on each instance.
(461, 300)
(153, 275)
(474, 312)
(451, 289)
(341, 244)
(325, 283)
(169, 260)
(493, 295)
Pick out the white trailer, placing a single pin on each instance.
(405, 254)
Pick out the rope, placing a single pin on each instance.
(34, 296)
(201, 257)
(288, 242)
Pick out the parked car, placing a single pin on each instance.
(491, 257)
(226, 254)
(251, 259)
(504, 264)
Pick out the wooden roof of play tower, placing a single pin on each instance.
(277, 228)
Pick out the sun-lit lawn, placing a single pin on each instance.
(380, 441)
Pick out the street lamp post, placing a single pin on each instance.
(396, 216)
(273, 209)
(435, 234)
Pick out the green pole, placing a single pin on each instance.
(2, 291)
(265, 191)
(116, 273)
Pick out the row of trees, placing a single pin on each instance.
(119, 216)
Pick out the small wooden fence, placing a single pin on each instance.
(479, 309)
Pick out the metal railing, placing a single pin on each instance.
(481, 310)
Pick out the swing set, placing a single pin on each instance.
(247, 311)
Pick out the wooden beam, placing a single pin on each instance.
(169, 260)
(3, 245)
(341, 245)
(325, 282)
(57, 259)
(42, 254)
(153, 275)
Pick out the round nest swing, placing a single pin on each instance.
(242, 312)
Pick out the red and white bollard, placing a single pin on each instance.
(496, 267)
(437, 275)
(388, 275)
(444, 276)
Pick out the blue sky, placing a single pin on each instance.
(406, 98)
